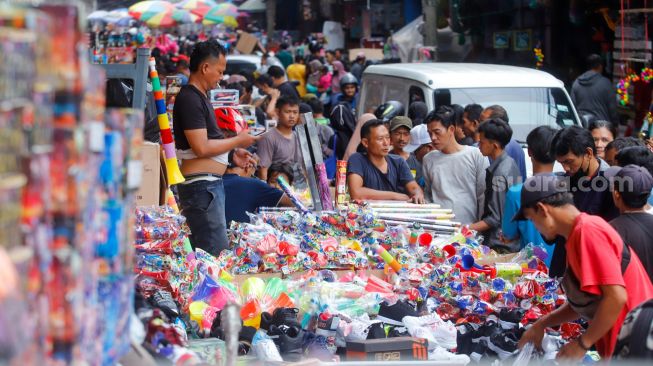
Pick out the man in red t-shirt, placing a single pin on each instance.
(604, 279)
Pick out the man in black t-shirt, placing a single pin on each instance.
(286, 88)
(204, 151)
(573, 147)
(631, 187)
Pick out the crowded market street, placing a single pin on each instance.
(326, 182)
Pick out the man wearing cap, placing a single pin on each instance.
(419, 146)
(377, 174)
(604, 279)
(631, 188)
(400, 127)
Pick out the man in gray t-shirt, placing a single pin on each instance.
(454, 174)
(280, 145)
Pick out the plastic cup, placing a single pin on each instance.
(449, 250)
(250, 313)
(196, 310)
(253, 288)
(425, 239)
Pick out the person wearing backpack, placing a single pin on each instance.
(604, 278)
(635, 340)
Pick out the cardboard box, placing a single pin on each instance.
(370, 53)
(388, 349)
(149, 193)
(246, 43)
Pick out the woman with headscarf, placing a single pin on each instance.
(338, 72)
(315, 72)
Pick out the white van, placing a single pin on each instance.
(531, 97)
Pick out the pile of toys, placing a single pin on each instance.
(310, 286)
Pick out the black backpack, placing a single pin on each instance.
(635, 340)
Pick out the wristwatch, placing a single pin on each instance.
(230, 158)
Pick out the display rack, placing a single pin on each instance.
(311, 155)
(137, 71)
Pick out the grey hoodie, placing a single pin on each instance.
(594, 94)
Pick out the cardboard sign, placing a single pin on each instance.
(149, 192)
(246, 43)
(370, 53)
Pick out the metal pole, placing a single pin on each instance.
(271, 17)
(430, 12)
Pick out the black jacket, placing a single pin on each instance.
(594, 94)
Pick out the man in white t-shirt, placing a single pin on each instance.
(454, 174)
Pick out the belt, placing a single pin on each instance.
(208, 177)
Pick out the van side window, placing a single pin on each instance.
(395, 89)
(373, 95)
(415, 94)
(443, 97)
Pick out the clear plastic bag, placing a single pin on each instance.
(264, 348)
(525, 356)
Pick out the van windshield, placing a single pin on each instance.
(527, 107)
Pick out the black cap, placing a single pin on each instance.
(537, 188)
(632, 181)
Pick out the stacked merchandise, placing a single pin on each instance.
(225, 106)
(74, 200)
(442, 296)
(175, 285)
(25, 138)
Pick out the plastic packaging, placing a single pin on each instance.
(264, 348)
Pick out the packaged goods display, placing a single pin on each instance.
(69, 171)
(348, 285)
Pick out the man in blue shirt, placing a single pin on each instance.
(377, 175)
(513, 149)
(539, 143)
(245, 194)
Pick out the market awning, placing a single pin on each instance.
(252, 6)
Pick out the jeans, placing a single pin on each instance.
(202, 203)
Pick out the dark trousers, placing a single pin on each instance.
(202, 203)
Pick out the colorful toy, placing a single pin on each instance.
(539, 57)
(622, 88)
(647, 74)
(172, 165)
(323, 186)
(387, 258)
(293, 197)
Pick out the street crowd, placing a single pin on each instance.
(595, 220)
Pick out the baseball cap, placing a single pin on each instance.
(400, 121)
(632, 181)
(418, 137)
(537, 188)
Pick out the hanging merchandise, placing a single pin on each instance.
(67, 195)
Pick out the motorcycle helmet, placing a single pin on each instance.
(229, 119)
(349, 78)
(388, 110)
